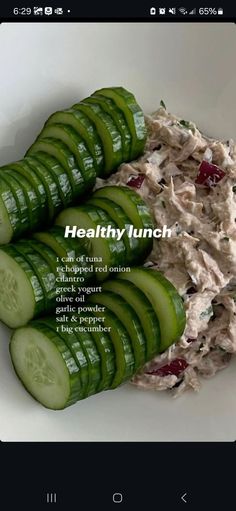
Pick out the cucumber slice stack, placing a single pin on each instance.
(132, 112)
(142, 314)
(90, 139)
(29, 274)
(137, 212)
(38, 258)
(115, 207)
(164, 299)
(107, 252)
(46, 366)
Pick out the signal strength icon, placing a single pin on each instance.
(194, 11)
(182, 10)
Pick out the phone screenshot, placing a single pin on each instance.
(117, 256)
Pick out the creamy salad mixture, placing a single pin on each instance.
(189, 182)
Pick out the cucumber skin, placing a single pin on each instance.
(34, 206)
(175, 319)
(20, 200)
(65, 158)
(59, 175)
(107, 355)
(143, 309)
(85, 128)
(113, 154)
(125, 364)
(54, 239)
(76, 350)
(10, 205)
(111, 109)
(114, 303)
(47, 254)
(66, 354)
(116, 249)
(54, 203)
(30, 275)
(132, 245)
(93, 361)
(70, 247)
(126, 101)
(176, 298)
(78, 149)
(22, 169)
(42, 270)
(142, 213)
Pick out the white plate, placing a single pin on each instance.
(45, 67)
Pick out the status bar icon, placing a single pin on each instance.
(48, 10)
(38, 11)
(153, 11)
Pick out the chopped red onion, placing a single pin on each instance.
(208, 174)
(175, 367)
(136, 182)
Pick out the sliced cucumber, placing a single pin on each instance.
(49, 256)
(108, 251)
(21, 295)
(85, 128)
(93, 360)
(142, 307)
(125, 363)
(64, 248)
(34, 206)
(59, 175)
(65, 157)
(109, 106)
(122, 221)
(20, 200)
(107, 131)
(45, 366)
(42, 270)
(70, 250)
(128, 317)
(135, 208)
(69, 338)
(10, 227)
(165, 300)
(6, 223)
(107, 355)
(76, 145)
(33, 187)
(133, 114)
(53, 199)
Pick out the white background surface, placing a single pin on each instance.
(51, 66)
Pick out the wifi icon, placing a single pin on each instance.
(182, 10)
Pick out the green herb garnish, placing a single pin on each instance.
(186, 124)
(162, 104)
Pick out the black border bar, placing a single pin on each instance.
(67, 10)
(148, 475)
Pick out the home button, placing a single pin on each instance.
(117, 498)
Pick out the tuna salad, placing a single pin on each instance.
(189, 182)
